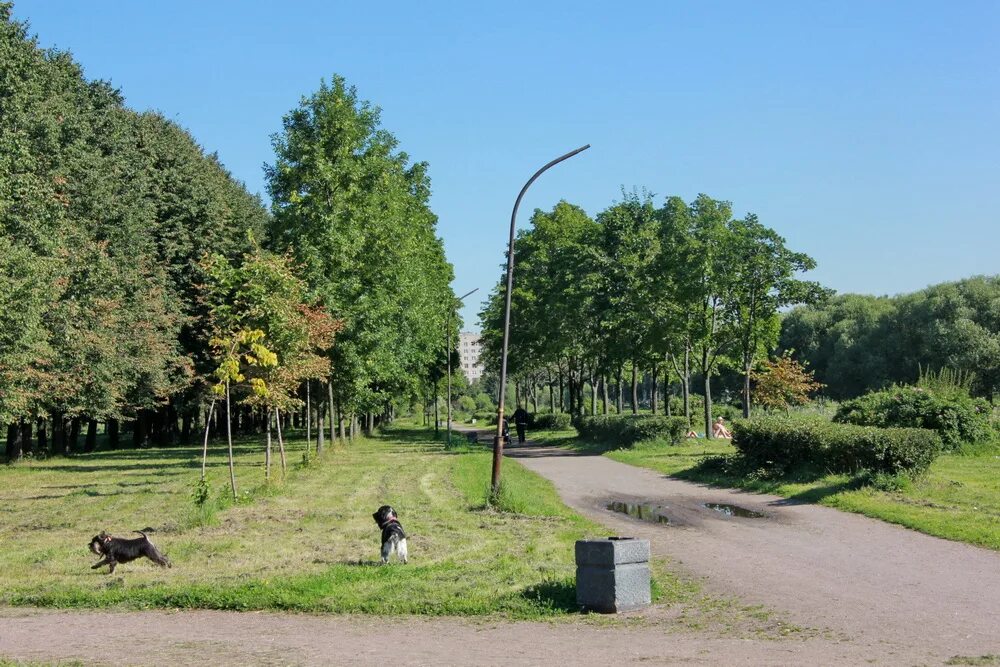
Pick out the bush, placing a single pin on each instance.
(626, 430)
(552, 421)
(485, 416)
(466, 404)
(780, 442)
(952, 413)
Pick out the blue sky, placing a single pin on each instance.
(865, 133)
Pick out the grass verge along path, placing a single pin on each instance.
(957, 499)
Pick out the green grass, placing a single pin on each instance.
(957, 499)
(308, 545)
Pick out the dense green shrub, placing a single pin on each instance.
(780, 442)
(466, 404)
(956, 416)
(485, 416)
(626, 430)
(553, 421)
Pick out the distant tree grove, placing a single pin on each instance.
(143, 289)
(667, 292)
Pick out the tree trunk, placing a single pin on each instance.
(43, 440)
(552, 395)
(707, 396)
(204, 449)
(340, 423)
(14, 442)
(746, 390)
(621, 391)
(308, 418)
(320, 425)
(686, 384)
(436, 416)
(112, 428)
(281, 442)
(58, 434)
(653, 391)
(635, 388)
(330, 404)
(604, 393)
(229, 440)
(593, 394)
(267, 450)
(561, 407)
(73, 443)
(26, 442)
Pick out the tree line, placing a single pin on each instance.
(858, 343)
(668, 292)
(140, 283)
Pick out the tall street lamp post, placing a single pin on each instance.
(459, 300)
(498, 439)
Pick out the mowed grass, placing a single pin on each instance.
(957, 499)
(309, 544)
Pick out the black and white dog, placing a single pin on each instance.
(114, 550)
(393, 537)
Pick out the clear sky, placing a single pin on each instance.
(866, 133)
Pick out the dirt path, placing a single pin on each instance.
(872, 581)
(232, 638)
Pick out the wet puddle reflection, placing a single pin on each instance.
(643, 511)
(735, 510)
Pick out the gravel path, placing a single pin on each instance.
(865, 579)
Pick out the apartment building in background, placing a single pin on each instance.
(468, 349)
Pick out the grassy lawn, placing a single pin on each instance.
(958, 498)
(309, 544)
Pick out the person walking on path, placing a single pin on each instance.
(520, 423)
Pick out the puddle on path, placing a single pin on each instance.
(643, 511)
(735, 510)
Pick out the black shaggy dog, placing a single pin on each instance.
(114, 550)
(393, 537)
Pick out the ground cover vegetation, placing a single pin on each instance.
(146, 298)
(310, 544)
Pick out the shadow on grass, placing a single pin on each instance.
(554, 595)
(732, 472)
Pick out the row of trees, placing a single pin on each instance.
(672, 291)
(140, 282)
(857, 343)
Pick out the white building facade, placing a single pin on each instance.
(468, 349)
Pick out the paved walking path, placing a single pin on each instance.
(870, 580)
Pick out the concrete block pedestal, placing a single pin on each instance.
(612, 574)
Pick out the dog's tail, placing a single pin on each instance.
(144, 531)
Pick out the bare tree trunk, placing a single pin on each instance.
(204, 449)
(708, 395)
(746, 389)
(635, 387)
(229, 439)
(74, 434)
(90, 442)
(340, 423)
(267, 451)
(604, 393)
(43, 440)
(111, 428)
(333, 424)
(621, 391)
(281, 443)
(652, 394)
(14, 442)
(320, 425)
(593, 394)
(308, 418)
